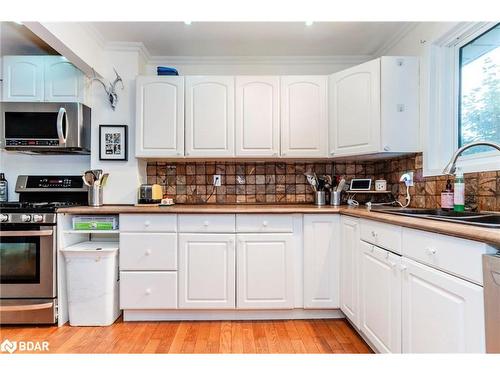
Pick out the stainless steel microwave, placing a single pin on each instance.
(46, 127)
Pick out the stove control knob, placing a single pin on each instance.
(26, 218)
(4, 218)
(38, 218)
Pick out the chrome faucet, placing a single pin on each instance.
(450, 167)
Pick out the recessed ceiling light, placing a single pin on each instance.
(309, 23)
(187, 22)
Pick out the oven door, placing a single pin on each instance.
(27, 262)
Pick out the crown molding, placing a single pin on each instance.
(395, 39)
(130, 46)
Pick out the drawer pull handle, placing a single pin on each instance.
(147, 223)
(430, 251)
(205, 223)
(265, 223)
(148, 291)
(148, 252)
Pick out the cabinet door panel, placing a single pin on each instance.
(355, 110)
(64, 82)
(349, 257)
(380, 297)
(23, 78)
(304, 116)
(321, 261)
(265, 271)
(160, 116)
(441, 313)
(209, 116)
(206, 271)
(257, 116)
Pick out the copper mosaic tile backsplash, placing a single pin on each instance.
(284, 182)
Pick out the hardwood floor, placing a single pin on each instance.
(278, 336)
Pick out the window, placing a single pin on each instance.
(479, 90)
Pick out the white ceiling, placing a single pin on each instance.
(253, 38)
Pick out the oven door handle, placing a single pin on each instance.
(61, 116)
(35, 306)
(26, 233)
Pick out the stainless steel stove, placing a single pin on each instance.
(28, 257)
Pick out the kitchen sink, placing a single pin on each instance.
(482, 219)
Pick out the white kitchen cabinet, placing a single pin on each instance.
(321, 261)
(349, 268)
(159, 116)
(23, 78)
(380, 297)
(209, 116)
(441, 313)
(257, 116)
(64, 82)
(207, 271)
(265, 271)
(374, 107)
(304, 116)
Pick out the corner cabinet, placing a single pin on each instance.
(209, 116)
(372, 105)
(159, 116)
(42, 79)
(207, 271)
(257, 116)
(321, 261)
(304, 116)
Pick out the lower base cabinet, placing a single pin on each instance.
(265, 271)
(380, 296)
(206, 271)
(441, 313)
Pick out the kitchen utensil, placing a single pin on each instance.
(341, 185)
(89, 178)
(104, 178)
(312, 181)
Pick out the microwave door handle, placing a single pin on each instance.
(60, 118)
(26, 233)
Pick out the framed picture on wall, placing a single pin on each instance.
(113, 142)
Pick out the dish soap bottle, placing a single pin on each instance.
(4, 188)
(459, 196)
(447, 196)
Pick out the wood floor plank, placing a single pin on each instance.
(286, 336)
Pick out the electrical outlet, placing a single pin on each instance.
(217, 180)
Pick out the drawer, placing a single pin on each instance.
(148, 223)
(148, 251)
(458, 256)
(255, 223)
(148, 290)
(216, 223)
(383, 235)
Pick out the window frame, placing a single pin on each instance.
(442, 132)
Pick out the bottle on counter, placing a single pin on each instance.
(4, 188)
(447, 196)
(459, 194)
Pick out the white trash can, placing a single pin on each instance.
(92, 283)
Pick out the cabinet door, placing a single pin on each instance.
(441, 313)
(209, 116)
(321, 261)
(265, 271)
(23, 78)
(257, 116)
(206, 271)
(355, 110)
(64, 82)
(160, 116)
(304, 116)
(380, 297)
(349, 285)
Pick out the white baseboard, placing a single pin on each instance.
(176, 315)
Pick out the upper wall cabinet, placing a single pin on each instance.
(160, 116)
(42, 79)
(304, 116)
(209, 116)
(374, 107)
(257, 116)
